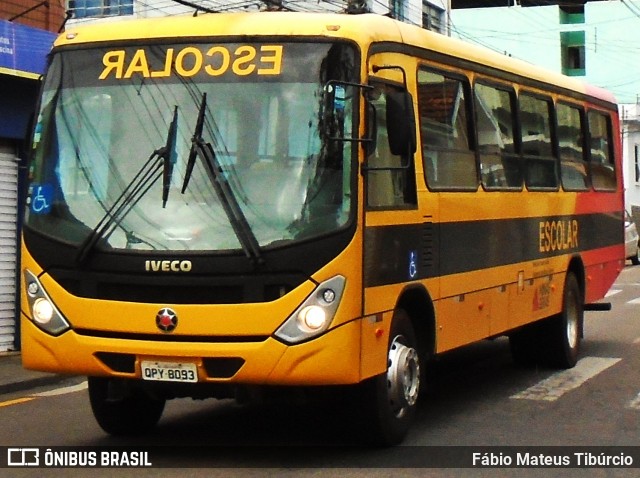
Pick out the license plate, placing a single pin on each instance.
(169, 371)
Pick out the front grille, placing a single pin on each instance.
(124, 363)
(170, 294)
(162, 337)
(174, 289)
(216, 367)
(222, 367)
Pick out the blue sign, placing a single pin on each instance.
(23, 49)
(413, 264)
(41, 198)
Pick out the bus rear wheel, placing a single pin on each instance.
(554, 341)
(121, 409)
(390, 399)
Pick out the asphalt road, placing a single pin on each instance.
(478, 398)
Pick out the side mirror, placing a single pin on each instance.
(400, 123)
(336, 109)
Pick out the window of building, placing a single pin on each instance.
(571, 14)
(535, 127)
(432, 17)
(603, 174)
(573, 166)
(396, 9)
(636, 162)
(495, 120)
(572, 53)
(449, 161)
(99, 8)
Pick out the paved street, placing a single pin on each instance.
(478, 399)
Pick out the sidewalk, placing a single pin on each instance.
(15, 378)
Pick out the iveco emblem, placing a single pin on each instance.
(167, 266)
(166, 320)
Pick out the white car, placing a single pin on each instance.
(631, 240)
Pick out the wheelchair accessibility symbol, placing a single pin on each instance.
(413, 264)
(41, 199)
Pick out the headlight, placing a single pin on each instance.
(43, 311)
(312, 318)
(315, 314)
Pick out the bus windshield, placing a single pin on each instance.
(114, 145)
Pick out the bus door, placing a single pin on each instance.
(395, 234)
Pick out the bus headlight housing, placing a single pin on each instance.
(43, 311)
(312, 318)
(315, 314)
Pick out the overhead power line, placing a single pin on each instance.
(193, 5)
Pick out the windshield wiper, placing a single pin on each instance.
(169, 156)
(222, 188)
(197, 134)
(160, 163)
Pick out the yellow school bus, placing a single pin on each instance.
(233, 202)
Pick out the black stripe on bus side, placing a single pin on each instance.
(409, 252)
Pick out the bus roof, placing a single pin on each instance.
(366, 29)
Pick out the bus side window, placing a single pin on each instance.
(449, 161)
(389, 183)
(573, 166)
(603, 174)
(499, 164)
(537, 150)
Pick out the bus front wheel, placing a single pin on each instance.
(390, 399)
(121, 409)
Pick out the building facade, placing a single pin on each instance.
(430, 14)
(630, 114)
(27, 30)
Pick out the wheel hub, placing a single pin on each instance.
(572, 325)
(403, 376)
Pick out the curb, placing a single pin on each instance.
(14, 378)
(35, 382)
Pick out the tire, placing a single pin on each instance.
(555, 341)
(565, 329)
(635, 259)
(390, 399)
(525, 345)
(121, 409)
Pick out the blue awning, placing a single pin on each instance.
(23, 49)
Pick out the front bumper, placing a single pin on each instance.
(331, 359)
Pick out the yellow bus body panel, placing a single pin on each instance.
(328, 360)
(332, 358)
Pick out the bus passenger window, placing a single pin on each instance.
(449, 162)
(603, 175)
(573, 167)
(535, 126)
(499, 164)
(389, 183)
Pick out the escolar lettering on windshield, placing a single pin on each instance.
(189, 61)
